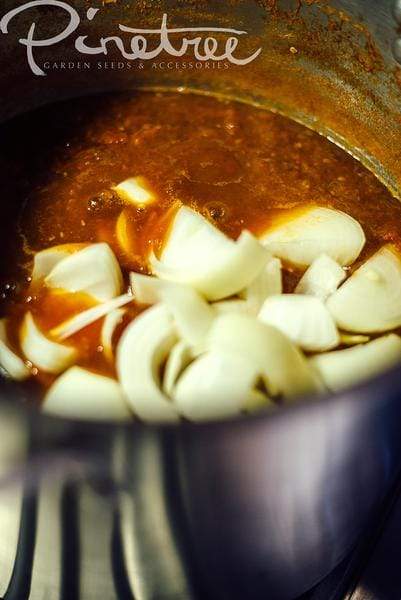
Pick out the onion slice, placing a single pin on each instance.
(343, 368)
(93, 270)
(111, 322)
(282, 366)
(267, 283)
(81, 394)
(198, 254)
(47, 259)
(217, 385)
(45, 354)
(370, 300)
(141, 351)
(135, 190)
(89, 316)
(192, 314)
(317, 230)
(322, 278)
(303, 319)
(178, 359)
(12, 364)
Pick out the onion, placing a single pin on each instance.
(46, 260)
(267, 283)
(315, 231)
(322, 278)
(124, 232)
(282, 366)
(81, 394)
(343, 368)
(45, 354)
(349, 339)
(89, 316)
(215, 386)
(93, 270)
(178, 359)
(198, 254)
(141, 351)
(370, 300)
(304, 319)
(192, 314)
(111, 321)
(12, 364)
(234, 305)
(135, 190)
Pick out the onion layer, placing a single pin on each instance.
(343, 368)
(370, 300)
(12, 364)
(315, 231)
(81, 394)
(322, 278)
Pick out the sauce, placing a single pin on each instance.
(239, 166)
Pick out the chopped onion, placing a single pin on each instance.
(217, 385)
(178, 359)
(370, 300)
(45, 354)
(135, 190)
(350, 339)
(198, 254)
(282, 366)
(111, 321)
(124, 232)
(317, 230)
(141, 352)
(234, 305)
(89, 316)
(46, 260)
(12, 364)
(304, 319)
(343, 368)
(93, 270)
(267, 283)
(322, 278)
(193, 315)
(81, 394)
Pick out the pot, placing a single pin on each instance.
(262, 507)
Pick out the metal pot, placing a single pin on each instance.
(262, 507)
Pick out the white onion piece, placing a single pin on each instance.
(349, 339)
(198, 254)
(89, 316)
(45, 354)
(370, 300)
(81, 394)
(322, 278)
(93, 270)
(135, 190)
(234, 305)
(282, 366)
(178, 359)
(12, 364)
(141, 351)
(267, 283)
(192, 314)
(46, 260)
(111, 322)
(317, 230)
(217, 385)
(343, 368)
(303, 319)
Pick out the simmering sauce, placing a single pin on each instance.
(239, 166)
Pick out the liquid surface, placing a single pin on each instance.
(239, 166)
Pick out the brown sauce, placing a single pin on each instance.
(239, 166)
